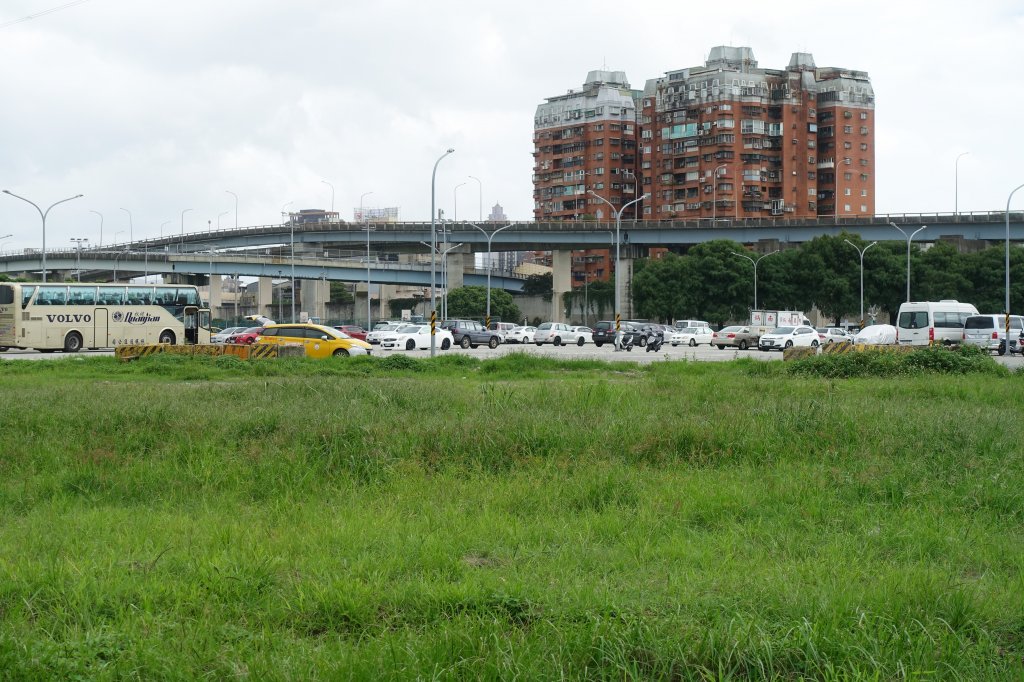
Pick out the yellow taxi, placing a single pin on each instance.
(319, 341)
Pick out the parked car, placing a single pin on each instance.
(317, 340)
(639, 333)
(470, 333)
(551, 332)
(503, 328)
(604, 332)
(989, 332)
(827, 335)
(380, 329)
(413, 336)
(246, 336)
(353, 330)
(223, 335)
(877, 335)
(579, 336)
(683, 324)
(781, 338)
(522, 334)
(737, 335)
(692, 336)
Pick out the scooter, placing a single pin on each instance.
(654, 343)
(626, 342)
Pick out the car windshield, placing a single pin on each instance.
(784, 330)
(821, 330)
(338, 334)
(732, 329)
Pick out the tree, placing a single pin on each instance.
(597, 296)
(471, 303)
(941, 275)
(828, 273)
(663, 289)
(536, 285)
(341, 292)
(720, 287)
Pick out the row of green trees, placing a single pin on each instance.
(711, 283)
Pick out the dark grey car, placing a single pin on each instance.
(470, 333)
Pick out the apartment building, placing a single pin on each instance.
(732, 140)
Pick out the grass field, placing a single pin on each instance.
(518, 518)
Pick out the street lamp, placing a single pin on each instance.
(755, 262)
(618, 264)
(236, 207)
(909, 238)
(101, 225)
(369, 229)
(714, 192)
(131, 236)
(78, 256)
(956, 185)
(489, 266)
(433, 253)
(332, 193)
(861, 252)
(166, 222)
(1008, 265)
(455, 202)
(219, 217)
(42, 214)
(480, 196)
(183, 225)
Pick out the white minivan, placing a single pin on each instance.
(922, 323)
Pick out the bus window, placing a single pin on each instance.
(140, 295)
(6, 294)
(52, 296)
(82, 295)
(187, 296)
(111, 296)
(26, 295)
(164, 297)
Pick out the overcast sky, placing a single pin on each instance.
(158, 107)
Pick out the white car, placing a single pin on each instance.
(781, 338)
(877, 334)
(520, 335)
(379, 331)
(692, 336)
(579, 336)
(413, 336)
(223, 334)
(827, 335)
(551, 332)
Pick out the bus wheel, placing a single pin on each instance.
(167, 336)
(73, 342)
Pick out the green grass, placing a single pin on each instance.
(529, 518)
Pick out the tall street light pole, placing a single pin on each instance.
(455, 202)
(183, 228)
(131, 234)
(755, 262)
(956, 184)
(909, 238)
(861, 252)
(166, 222)
(219, 215)
(433, 253)
(101, 225)
(1008, 266)
(78, 255)
(368, 228)
(480, 197)
(332, 193)
(236, 209)
(42, 214)
(489, 264)
(618, 262)
(714, 192)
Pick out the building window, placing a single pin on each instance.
(846, 192)
(863, 130)
(863, 192)
(847, 176)
(811, 191)
(864, 177)
(863, 146)
(863, 115)
(847, 129)
(863, 208)
(863, 162)
(811, 175)
(846, 207)
(811, 144)
(599, 156)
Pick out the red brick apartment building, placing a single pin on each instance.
(731, 140)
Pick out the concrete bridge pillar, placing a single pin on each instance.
(314, 294)
(561, 283)
(216, 299)
(457, 267)
(265, 298)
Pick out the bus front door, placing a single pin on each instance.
(191, 320)
(101, 328)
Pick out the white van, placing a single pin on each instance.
(922, 323)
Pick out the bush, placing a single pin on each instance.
(885, 363)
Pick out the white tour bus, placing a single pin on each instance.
(70, 317)
(922, 323)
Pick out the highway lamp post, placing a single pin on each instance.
(332, 193)
(219, 215)
(861, 252)
(121, 253)
(181, 246)
(280, 298)
(291, 230)
(455, 202)
(131, 233)
(433, 252)
(78, 255)
(368, 228)
(42, 214)
(618, 262)
(489, 264)
(755, 262)
(956, 186)
(714, 192)
(166, 222)
(101, 225)
(909, 238)
(480, 197)
(1008, 265)
(236, 207)
(117, 232)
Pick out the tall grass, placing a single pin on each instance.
(188, 518)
